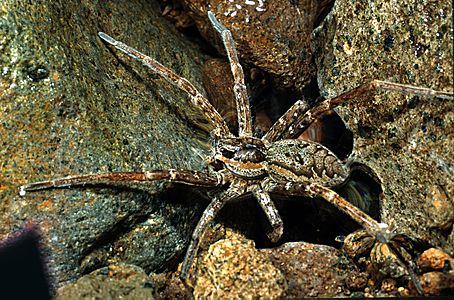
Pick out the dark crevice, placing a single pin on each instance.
(306, 219)
(331, 132)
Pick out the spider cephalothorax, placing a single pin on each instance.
(242, 163)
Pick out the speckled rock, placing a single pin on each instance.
(437, 283)
(70, 104)
(406, 140)
(272, 35)
(234, 268)
(168, 285)
(435, 259)
(438, 276)
(112, 282)
(313, 270)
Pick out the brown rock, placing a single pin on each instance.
(435, 259)
(234, 268)
(437, 283)
(112, 282)
(388, 285)
(440, 207)
(313, 270)
(273, 35)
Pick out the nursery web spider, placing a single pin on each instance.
(245, 164)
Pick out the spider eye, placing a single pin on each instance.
(227, 153)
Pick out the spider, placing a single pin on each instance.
(244, 164)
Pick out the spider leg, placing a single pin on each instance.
(239, 88)
(285, 121)
(195, 96)
(207, 217)
(181, 176)
(376, 229)
(277, 226)
(297, 123)
(380, 232)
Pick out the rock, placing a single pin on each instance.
(234, 268)
(388, 285)
(272, 35)
(313, 270)
(169, 286)
(440, 207)
(73, 105)
(438, 276)
(435, 259)
(437, 283)
(405, 140)
(112, 282)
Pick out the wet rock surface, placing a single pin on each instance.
(234, 268)
(72, 105)
(407, 141)
(229, 265)
(272, 35)
(437, 283)
(313, 270)
(438, 276)
(435, 259)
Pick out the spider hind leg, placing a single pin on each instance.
(182, 176)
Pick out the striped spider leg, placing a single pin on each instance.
(195, 97)
(239, 87)
(298, 117)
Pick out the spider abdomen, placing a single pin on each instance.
(304, 161)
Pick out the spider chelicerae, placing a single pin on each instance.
(245, 164)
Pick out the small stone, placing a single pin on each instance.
(440, 207)
(234, 268)
(169, 286)
(112, 282)
(403, 292)
(313, 270)
(436, 283)
(434, 259)
(356, 281)
(388, 285)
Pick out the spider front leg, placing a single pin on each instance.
(207, 217)
(239, 88)
(292, 123)
(277, 226)
(196, 98)
(181, 176)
